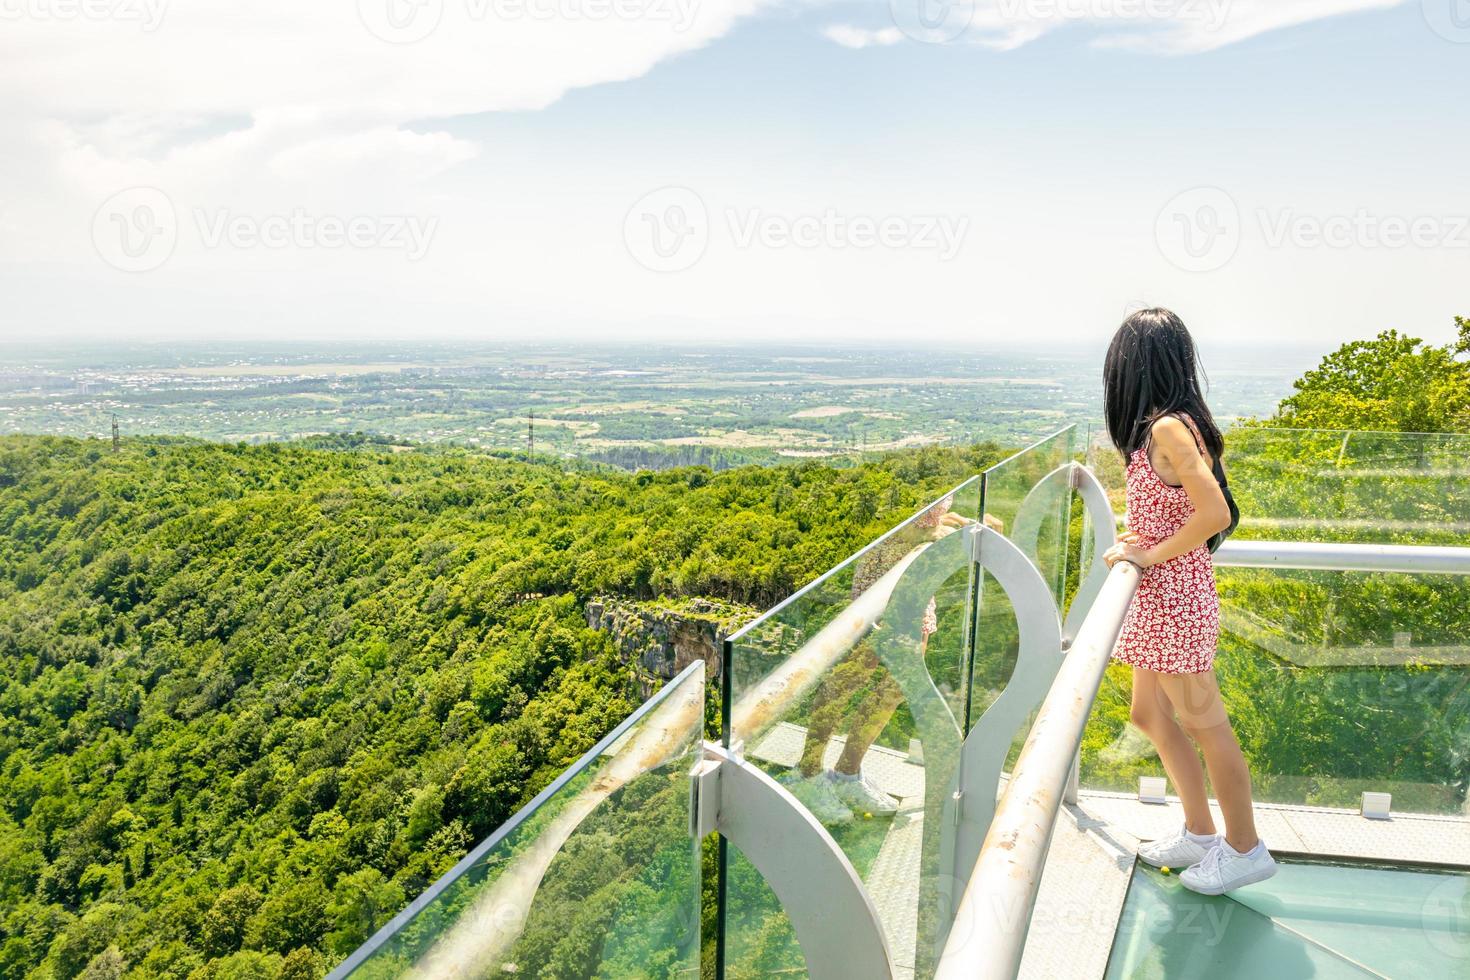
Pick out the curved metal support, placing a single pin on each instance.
(835, 921)
(1104, 536)
(985, 748)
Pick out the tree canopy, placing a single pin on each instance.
(254, 699)
(1393, 383)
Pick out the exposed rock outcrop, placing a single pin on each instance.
(664, 636)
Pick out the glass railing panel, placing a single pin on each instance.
(596, 877)
(850, 694)
(1028, 498)
(1388, 487)
(1370, 673)
(1336, 682)
(1336, 485)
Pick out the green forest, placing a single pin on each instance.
(253, 699)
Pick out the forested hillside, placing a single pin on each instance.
(253, 699)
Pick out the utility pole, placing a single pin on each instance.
(531, 437)
(116, 442)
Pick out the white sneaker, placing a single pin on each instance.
(1226, 869)
(860, 793)
(817, 795)
(1178, 850)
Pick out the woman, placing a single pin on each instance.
(1158, 420)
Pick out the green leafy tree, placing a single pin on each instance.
(224, 924)
(1392, 383)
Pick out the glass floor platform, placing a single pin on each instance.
(1313, 919)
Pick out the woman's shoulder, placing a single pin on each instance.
(1178, 432)
(1173, 426)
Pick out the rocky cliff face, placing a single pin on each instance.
(663, 637)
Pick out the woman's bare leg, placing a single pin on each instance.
(1153, 714)
(1196, 697)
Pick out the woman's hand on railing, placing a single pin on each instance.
(1127, 549)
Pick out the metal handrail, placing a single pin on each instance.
(1345, 557)
(988, 935)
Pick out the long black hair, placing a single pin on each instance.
(1152, 370)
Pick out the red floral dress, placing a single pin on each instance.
(1173, 625)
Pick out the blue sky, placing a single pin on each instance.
(743, 176)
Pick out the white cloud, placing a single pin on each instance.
(280, 89)
(210, 57)
(1161, 26)
(1221, 22)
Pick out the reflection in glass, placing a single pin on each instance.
(849, 694)
(597, 877)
